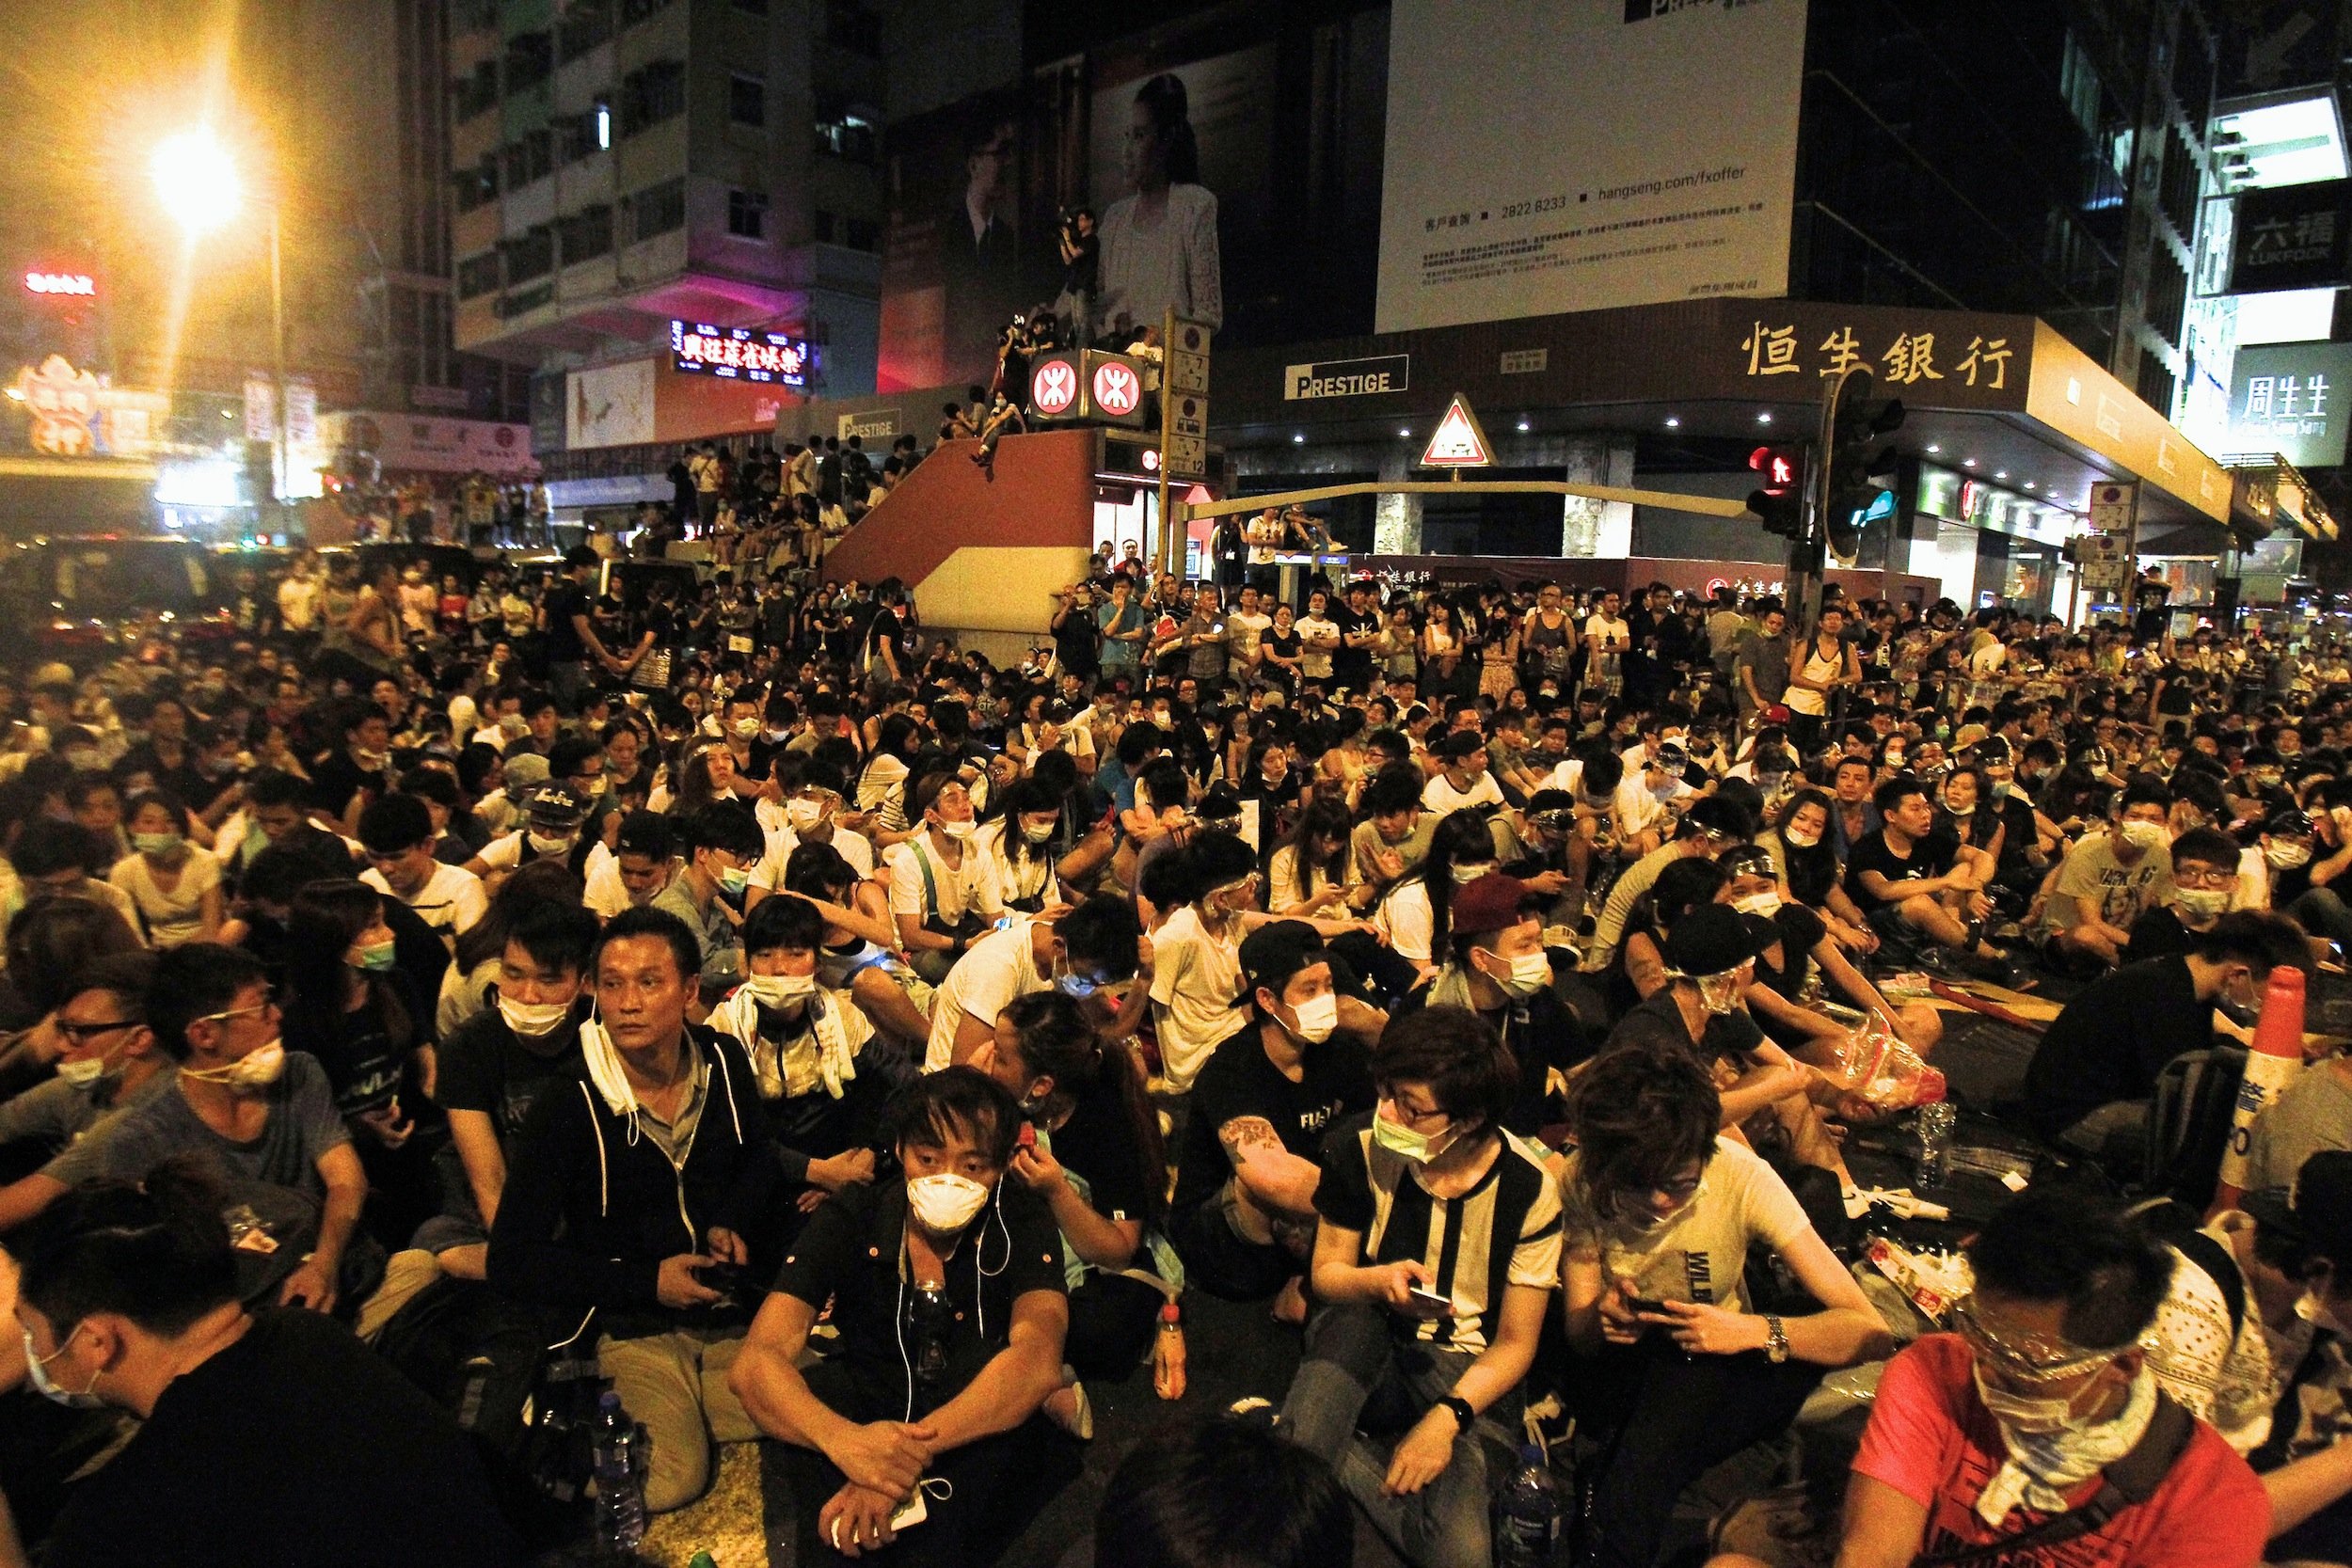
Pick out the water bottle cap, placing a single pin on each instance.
(609, 1400)
(1171, 1313)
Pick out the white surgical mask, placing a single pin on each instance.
(2286, 857)
(2203, 904)
(802, 813)
(1530, 973)
(1037, 833)
(1465, 875)
(780, 991)
(1314, 1019)
(534, 1019)
(945, 1202)
(256, 1069)
(1766, 903)
(1803, 841)
(2142, 836)
(959, 830)
(38, 1364)
(559, 844)
(746, 728)
(83, 1073)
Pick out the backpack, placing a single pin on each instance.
(2188, 1123)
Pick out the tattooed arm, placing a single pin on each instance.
(1270, 1173)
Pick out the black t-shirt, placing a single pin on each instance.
(482, 1067)
(363, 1061)
(2159, 934)
(1658, 1026)
(1238, 1079)
(1801, 931)
(1541, 1034)
(564, 601)
(1098, 1143)
(295, 1447)
(336, 777)
(1932, 856)
(851, 1254)
(883, 629)
(2113, 1039)
(1352, 667)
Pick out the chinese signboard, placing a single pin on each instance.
(2292, 237)
(1907, 359)
(417, 443)
(2288, 398)
(738, 353)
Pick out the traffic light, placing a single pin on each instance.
(1860, 466)
(1780, 500)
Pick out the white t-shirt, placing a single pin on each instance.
(1405, 919)
(1314, 662)
(954, 888)
(1032, 878)
(1241, 631)
(1440, 796)
(1195, 994)
(451, 900)
(172, 917)
(1698, 1255)
(999, 968)
(1609, 632)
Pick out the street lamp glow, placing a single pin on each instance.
(197, 180)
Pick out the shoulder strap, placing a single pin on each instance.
(2131, 1480)
(2212, 1257)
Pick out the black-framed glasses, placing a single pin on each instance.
(82, 1034)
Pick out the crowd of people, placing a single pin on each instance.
(451, 995)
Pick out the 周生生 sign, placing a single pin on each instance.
(2289, 399)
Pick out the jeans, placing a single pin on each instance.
(1664, 1419)
(2323, 911)
(1355, 1372)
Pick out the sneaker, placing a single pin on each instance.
(1255, 1412)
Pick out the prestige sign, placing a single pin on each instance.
(1348, 378)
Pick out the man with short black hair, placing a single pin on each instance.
(721, 843)
(1909, 879)
(397, 833)
(2109, 881)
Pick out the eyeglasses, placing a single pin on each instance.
(82, 1034)
(2023, 1359)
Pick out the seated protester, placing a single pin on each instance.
(357, 769)
(1415, 917)
(1462, 780)
(108, 1063)
(127, 1299)
(1437, 1248)
(1595, 778)
(1784, 970)
(1197, 995)
(809, 810)
(1678, 1369)
(2028, 837)
(1088, 952)
(1710, 827)
(1496, 969)
(53, 859)
(493, 1066)
(1962, 811)
(1855, 812)
(1223, 1492)
(1654, 788)
(258, 1119)
(1555, 856)
(175, 883)
(818, 1071)
(941, 893)
(1241, 1216)
(2005, 1431)
(2107, 881)
(945, 1291)
(1768, 1097)
(2090, 1084)
(1096, 1162)
(643, 862)
(1312, 872)
(721, 843)
(630, 1193)
(1017, 846)
(883, 984)
(275, 811)
(1807, 862)
(1910, 881)
(1641, 970)
(436, 786)
(1394, 838)
(470, 986)
(2305, 855)
(2204, 883)
(397, 833)
(553, 817)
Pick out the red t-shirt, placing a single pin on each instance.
(1932, 1440)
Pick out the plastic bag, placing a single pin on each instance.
(1882, 1070)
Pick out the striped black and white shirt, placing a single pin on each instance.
(1503, 1231)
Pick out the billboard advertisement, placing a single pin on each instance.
(611, 405)
(2289, 399)
(1558, 156)
(425, 443)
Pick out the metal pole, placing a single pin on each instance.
(277, 335)
(1172, 546)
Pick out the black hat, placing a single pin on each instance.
(1273, 953)
(2288, 824)
(556, 803)
(2317, 1211)
(1715, 937)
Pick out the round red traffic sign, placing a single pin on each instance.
(1117, 391)
(1053, 388)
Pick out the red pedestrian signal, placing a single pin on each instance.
(1783, 469)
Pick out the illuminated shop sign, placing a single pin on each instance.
(740, 354)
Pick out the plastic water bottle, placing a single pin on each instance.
(1528, 1513)
(1935, 1127)
(617, 1450)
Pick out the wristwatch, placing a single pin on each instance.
(1776, 1341)
(1463, 1414)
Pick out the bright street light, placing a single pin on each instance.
(197, 180)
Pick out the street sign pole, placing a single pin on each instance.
(1171, 542)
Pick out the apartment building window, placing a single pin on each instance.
(634, 11)
(658, 209)
(652, 94)
(478, 276)
(529, 60)
(475, 94)
(851, 27)
(747, 99)
(530, 158)
(530, 255)
(587, 24)
(848, 134)
(477, 186)
(747, 215)
(862, 234)
(586, 234)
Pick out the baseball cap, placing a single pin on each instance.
(2288, 824)
(1715, 937)
(523, 770)
(1492, 903)
(1273, 953)
(556, 803)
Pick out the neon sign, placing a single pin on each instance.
(61, 284)
(740, 354)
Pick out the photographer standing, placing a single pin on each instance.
(1081, 261)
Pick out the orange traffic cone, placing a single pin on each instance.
(2277, 1057)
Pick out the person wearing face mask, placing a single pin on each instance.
(947, 1293)
(2107, 881)
(128, 1300)
(1436, 1250)
(110, 1062)
(553, 815)
(2205, 887)
(2092, 1077)
(631, 1188)
(1712, 825)
(722, 842)
(1087, 953)
(349, 775)
(942, 894)
(820, 1075)
(2001, 1434)
(1678, 1367)
(1495, 967)
(1242, 1214)
(2305, 855)
(265, 1116)
(175, 884)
